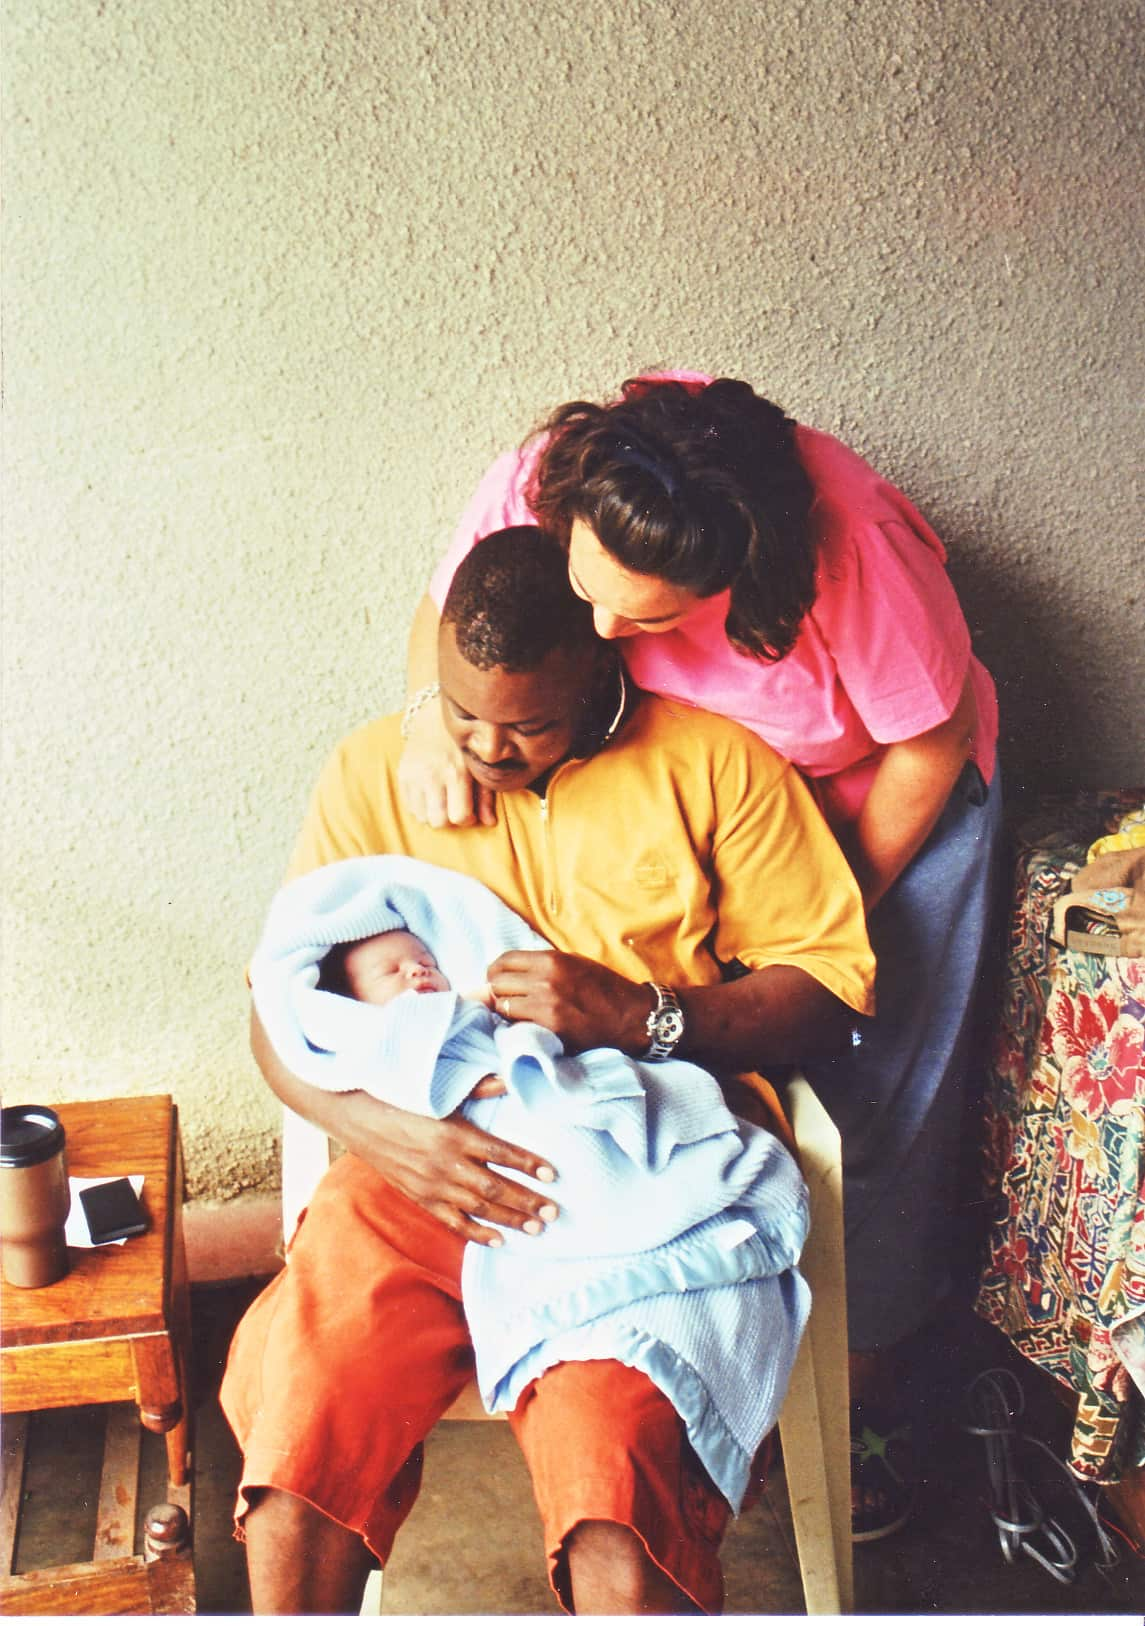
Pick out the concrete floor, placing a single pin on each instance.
(472, 1545)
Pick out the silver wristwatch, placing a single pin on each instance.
(665, 1026)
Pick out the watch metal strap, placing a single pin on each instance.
(665, 1025)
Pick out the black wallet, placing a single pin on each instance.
(113, 1210)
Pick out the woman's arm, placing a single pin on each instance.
(432, 776)
(907, 795)
(442, 1165)
(421, 658)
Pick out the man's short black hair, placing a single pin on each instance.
(510, 603)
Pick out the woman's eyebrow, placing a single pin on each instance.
(640, 621)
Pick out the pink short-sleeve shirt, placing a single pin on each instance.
(881, 656)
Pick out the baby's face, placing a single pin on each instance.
(380, 968)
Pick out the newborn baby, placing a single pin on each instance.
(379, 968)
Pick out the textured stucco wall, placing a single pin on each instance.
(282, 276)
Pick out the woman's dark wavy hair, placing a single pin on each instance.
(700, 485)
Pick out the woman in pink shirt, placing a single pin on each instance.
(762, 570)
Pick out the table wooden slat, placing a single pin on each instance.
(88, 1373)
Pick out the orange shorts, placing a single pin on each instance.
(343, 1365)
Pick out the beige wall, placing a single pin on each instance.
(283, 274)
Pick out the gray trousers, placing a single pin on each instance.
(898, 1095)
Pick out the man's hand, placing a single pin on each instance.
(442, 1165)
(774, 1016)
(584, 1004)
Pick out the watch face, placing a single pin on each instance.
(668, 1026)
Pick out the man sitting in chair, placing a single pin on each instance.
(698, 907)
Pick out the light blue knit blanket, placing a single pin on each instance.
(680, 1225)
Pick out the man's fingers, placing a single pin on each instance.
(464, 1176)
(462, 1225)
(488, 1088)
(518, 962)
(477, 1233)
(474, 1214)
(479, 1146)
(499, 1213)
(515, 978)
(481, 1195)
(507, 1156)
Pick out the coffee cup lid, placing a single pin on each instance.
(28, 1135)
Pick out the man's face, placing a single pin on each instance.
(512, 726)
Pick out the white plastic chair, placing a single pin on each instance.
(814, 1425)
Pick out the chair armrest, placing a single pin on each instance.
(306, 1155)
(817, 1139)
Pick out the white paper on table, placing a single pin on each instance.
(76, 1232)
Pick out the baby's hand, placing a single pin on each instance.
(488, 1087)
(483, 996)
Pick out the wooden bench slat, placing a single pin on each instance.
(119, 1586)
(118, 1485)
(15, 1452)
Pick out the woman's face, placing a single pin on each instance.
(623, 601)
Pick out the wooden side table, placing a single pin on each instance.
(115, 1329)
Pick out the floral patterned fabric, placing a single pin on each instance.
(1065, 1162)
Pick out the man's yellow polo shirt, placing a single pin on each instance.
(684, 843)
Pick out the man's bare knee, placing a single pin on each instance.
(300, 1561)
(610, 1573)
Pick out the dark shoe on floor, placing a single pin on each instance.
(882, 1473)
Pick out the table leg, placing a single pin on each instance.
(158, 1384)
(162, 1361)
(180, 1441)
